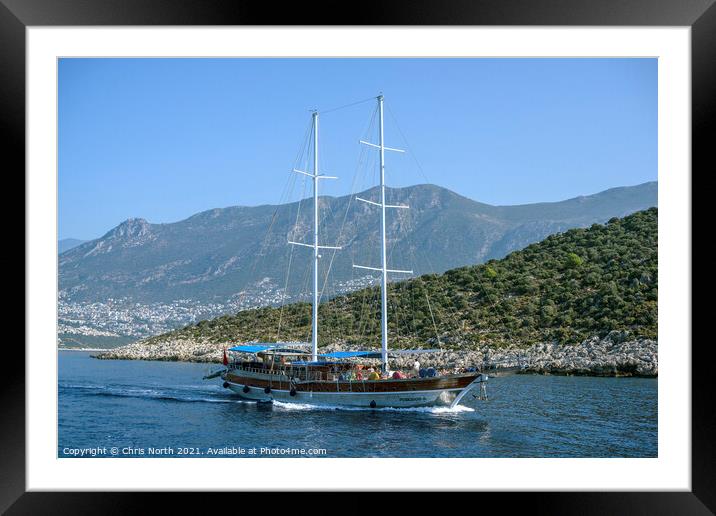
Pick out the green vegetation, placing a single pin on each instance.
(568, 287)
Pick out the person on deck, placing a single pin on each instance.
(416, 369)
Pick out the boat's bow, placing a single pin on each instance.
(480, 380)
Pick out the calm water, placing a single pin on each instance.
(134, 405)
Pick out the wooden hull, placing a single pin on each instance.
(413, 392)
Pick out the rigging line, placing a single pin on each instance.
(334, 251)
(407, 301)
(332, 309)
(291, 180)
(341, 232)
(406, 305)
(393, 308)
(366, 304)
(396, 304)
(452, 314)
(360, 323)
(400, 315)
(411, 248)
(433, 319)
(407, 145)
(350, 199)
(304, 289)
(394, 287)
(308, 296)
(288, 271)
(346, 105)
(409, 283)
(372, 254)
(263, 246)
(413, 310)
(326, 215)
(301, 299)
(374, 298)
(371, 293)
(265, 238)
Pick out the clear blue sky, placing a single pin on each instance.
(163, 139)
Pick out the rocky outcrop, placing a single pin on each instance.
(172, 350)
(614, 355)
(611, 356)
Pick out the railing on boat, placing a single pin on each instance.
(295, 373)
(300, 373)
(287, 372)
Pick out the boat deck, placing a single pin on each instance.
(281, 380)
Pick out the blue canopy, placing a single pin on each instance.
(375, 354)
(413, 351)
(302, 363)
(352, 354)
(257, 347)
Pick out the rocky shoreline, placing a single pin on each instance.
(614, 355)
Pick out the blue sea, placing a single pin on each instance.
(120, 408)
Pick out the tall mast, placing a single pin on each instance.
(383, 246)
(314, 324)
(316, 247)
(383, 254)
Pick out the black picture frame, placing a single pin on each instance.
(700, 15)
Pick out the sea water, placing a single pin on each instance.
(122, 408)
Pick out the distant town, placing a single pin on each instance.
(117, 321)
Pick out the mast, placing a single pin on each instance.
(383, 246)
(316, 247)
(314, 322)
(383, 254)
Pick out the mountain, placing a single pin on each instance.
(68, 243)
(569, 287)
(222, 254)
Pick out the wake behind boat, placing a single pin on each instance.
(276, 371)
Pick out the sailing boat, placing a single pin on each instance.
(290, 374)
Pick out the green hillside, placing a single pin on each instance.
(568, 287)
